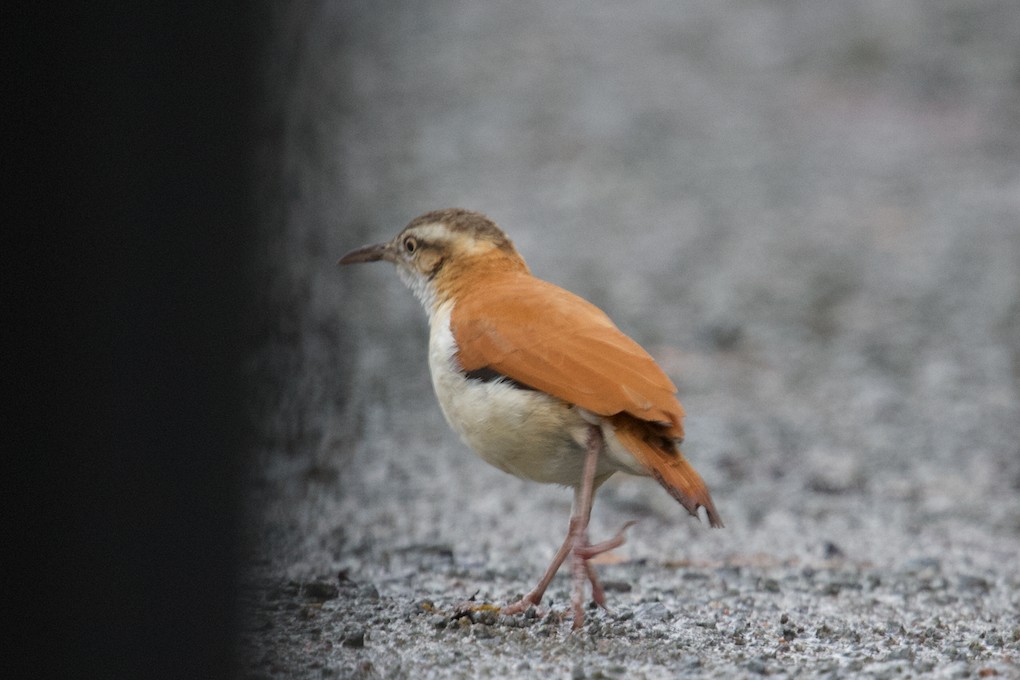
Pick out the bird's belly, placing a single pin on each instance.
(526, 433)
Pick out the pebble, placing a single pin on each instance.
(482, 631)
(368, 591)
(832, 551)
(651, 611)
(320, 591)
(487, 617)
(977, 583)
(355, 638)
(923, 566)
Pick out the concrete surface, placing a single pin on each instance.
(808, 212)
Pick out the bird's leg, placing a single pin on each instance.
(582, 551)
(535, 596)
(587, 552)
(576, 542)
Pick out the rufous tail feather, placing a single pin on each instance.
(665, 462)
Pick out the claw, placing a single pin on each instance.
(522, 605)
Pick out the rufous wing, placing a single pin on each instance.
(549, 339)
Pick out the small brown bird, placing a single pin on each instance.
(539, 382)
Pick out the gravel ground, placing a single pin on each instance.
(809, 213)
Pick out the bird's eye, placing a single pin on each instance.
(410, 244)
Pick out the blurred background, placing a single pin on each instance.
(808, 212)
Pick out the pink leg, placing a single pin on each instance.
(585, 496)
(535, 596)
(587, 552)
(576, 543)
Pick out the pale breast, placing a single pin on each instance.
(521, 431)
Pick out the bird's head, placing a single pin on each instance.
(440, 251)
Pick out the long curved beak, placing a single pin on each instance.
(373, 253)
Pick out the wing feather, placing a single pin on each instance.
(550, 339)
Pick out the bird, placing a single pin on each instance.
(538, 381)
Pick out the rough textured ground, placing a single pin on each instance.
(808, 212)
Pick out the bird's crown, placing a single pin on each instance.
(455, 237)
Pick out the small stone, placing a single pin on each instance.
(894, 628)
(832, 551)
(320, 591)
(482, 631)
(823, 632)
(975, 583)
(486, 616)
(832, 588)
(368, 591)
(504, 621)
(652, 611)
(355, 638)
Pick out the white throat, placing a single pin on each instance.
(422, 289)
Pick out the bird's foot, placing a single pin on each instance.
(522, 605)
(580, 555)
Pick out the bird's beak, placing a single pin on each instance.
(373, 253)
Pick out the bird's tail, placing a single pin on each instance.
(664, 461)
